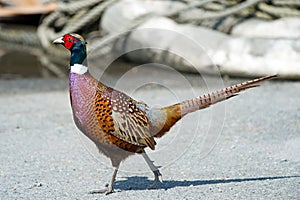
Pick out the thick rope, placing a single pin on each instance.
(80, 16)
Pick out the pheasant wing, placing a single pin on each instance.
(124, 118)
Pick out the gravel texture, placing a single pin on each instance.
(248, 147)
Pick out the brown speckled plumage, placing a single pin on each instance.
(119, 125)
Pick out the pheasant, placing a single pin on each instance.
(119, 125)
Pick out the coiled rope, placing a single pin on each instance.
(83, 16)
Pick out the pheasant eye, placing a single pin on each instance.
(70, 40)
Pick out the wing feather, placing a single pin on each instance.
(129, 119)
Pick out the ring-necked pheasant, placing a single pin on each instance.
(119, 125)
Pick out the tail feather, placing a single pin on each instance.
(206, 100)
(175, 112)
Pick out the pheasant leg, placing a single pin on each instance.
(110, 188)
(157, 174)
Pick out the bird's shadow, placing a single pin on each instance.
(141, 182)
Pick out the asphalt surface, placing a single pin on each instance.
(246, 148)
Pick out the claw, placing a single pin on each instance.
(160, 179)
(157, 178)
(105, 191)
(100, 191)
(109, 192)
(110, 187)
(157, 174)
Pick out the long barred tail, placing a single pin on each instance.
(175, 112)
(206, 100)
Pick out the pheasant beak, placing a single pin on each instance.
(58, 41)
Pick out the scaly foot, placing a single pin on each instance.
(105, 191)
(158, 178)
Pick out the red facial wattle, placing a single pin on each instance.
(69, 40)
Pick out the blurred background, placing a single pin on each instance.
(242, 38)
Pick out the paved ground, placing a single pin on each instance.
(255, 139)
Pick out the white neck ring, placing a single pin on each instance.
(79, 69)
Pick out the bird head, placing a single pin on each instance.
(76, 44)
(71, 41)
